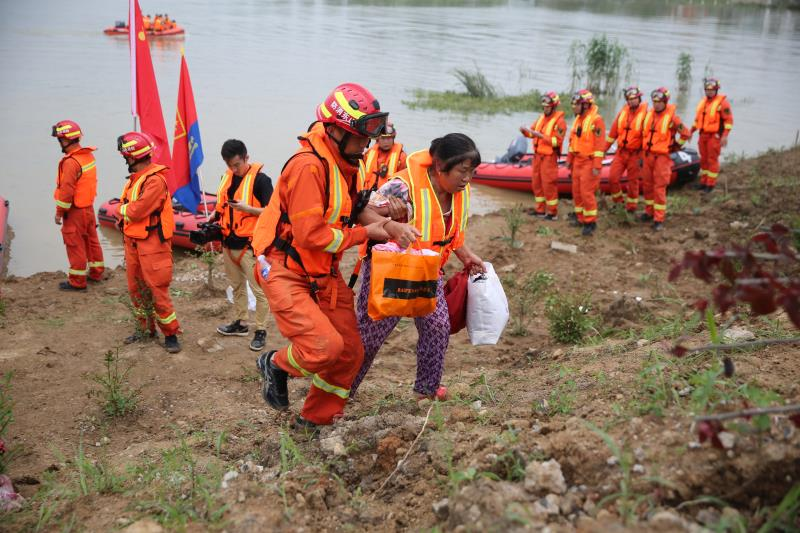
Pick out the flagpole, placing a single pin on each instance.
(132, 42)
(202, 192)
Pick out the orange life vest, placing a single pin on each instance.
(428, 216)
(629, 129)
(658, 135)
(368, 167)
(584, 143)
(86, 185)
(242, 223)
(161, 219)
(545, 126)
(707, 118)
(273, 227)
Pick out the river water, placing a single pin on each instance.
(260, 68)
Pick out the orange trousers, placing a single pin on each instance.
(584, 188)
(149, 267)
(710, 147)
(545, 189)
(324, 342)
(655, 174)
(79, 230)
(629, 161)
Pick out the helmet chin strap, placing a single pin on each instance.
(341, 144)
(64, 148)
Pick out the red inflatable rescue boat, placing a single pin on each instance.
(123, 30)
(184, 220)
(3, 233)
(513, 170)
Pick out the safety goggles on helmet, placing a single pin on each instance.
(389, 131)
(550, 99)
(660, 95)
(371, 125)
(354, 109)
(583, 96)
(711, 84)
(632, 92)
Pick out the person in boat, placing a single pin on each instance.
(158, 24)
(548, 135)
(714, 120)
(587, 142)
(435, 189)
(147, 22)
(168, 24)
(661, 126)
(303, 233)
(76, 189)
(383, 160)
(146, 217)
(626, 131)
(243, 193)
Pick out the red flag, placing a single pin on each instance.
(187, 150)
(144, 92)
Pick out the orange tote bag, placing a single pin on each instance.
(402, 284)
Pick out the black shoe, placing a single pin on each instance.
(538, 214)
(259, 340)
(658, 226)
(575, 222)
(644, 217)
(302, 424)
(572, 216)
(551, 218)
(140, 336)
(171, 344)
(707, 189)
(67, 286)
(275, 389)
(588, 229)
(234, 328)
(699, 186)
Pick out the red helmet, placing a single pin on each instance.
(353, 108)
(583, 96)
(389, 131)
(711, 84)
(66, 129)
(550, 98)
(632, 92)
(660, 95)
(137, 145)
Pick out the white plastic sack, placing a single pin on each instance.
(487, 307)
(251, 298)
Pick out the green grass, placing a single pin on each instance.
(117, 398)
(568, 317)
(458, 102)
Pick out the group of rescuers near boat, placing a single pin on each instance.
(332, 196)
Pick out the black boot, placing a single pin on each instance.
(67, 286)
(171, 344)
(140, 336)
(644, 217)
(275, 389)
(588, 229)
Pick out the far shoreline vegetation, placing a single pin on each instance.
(599, 64)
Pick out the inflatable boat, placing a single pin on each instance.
(3, 232)
(123, 30)
(513, 170)
(185, 221)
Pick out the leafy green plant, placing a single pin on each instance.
(117, 397)
(656, 386)
(475, 83)
(785, 516)
(524, 296)
(683, 71)
(290, 453)
(569, 317)
(209, 257)
(599, 63)
(514, 218)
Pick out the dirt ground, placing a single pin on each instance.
(596, 436)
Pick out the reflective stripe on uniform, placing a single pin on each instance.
(728, 126)
(336, 208)
(336, 241)
(327, 387)
(617, 195)
(74, 272)
(579, 210)
(539, 199)
(649, 202)
(599, 154)
(425, 214)
(555, 142)
(632, 200)
(712, 174)
(552, 202)
(167, 319)
(660, 207)
(88, 167)
(122, 210)
(465, 197)
(64, 205)
(292, 362)
(96, 264)
(592, 213)
(610, 140)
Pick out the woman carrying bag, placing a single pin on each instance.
(433, 192)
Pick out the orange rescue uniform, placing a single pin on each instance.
(76, 189)
(626, 131)
(545, 160)
(148, 225)
(371, 171)
(304, 232)
(657, 143)
(587, 142)
(714, 119)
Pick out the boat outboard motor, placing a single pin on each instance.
(517, 149)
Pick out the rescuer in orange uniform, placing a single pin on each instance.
(714, 120)
(148, 224)
(661, 125)
(626, 131)
(548, 135)
(303, 232)
(587, 142)
(385, 159)
(76, 188)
